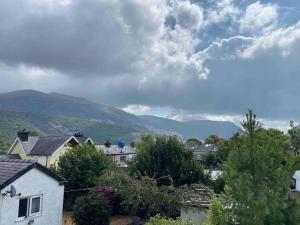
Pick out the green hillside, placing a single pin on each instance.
(12, 122)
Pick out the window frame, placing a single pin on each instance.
(29, 207)
(30, 214)
(123, 158)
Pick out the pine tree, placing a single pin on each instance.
(258, 172)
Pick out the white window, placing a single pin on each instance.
(30, 206)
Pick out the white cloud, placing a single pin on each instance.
(280, 40)
(222, 11)
(137, 109)
(189, 15)
(259, 16)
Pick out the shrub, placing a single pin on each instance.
(91, 209)
(158, 220)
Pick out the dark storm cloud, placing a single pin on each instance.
(153, 53)
(84, 38)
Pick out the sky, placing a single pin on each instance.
(181, 59)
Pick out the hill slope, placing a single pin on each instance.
(12, 122)
(67, 106)
(198, 128)
(60, 114)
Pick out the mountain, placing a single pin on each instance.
(196, 128)
(45, 124)
(56, 113)
(67, 106)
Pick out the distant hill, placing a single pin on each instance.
(197, 128)
(43, 124)
(62, 114)
(67, 106)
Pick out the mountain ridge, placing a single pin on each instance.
(84, 111)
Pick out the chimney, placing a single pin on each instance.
(107, 144)
(23, 135)
(78, 134)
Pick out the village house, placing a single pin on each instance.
(45, 150)
(29, 194)
(120, 153)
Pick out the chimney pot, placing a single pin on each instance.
(23, 135)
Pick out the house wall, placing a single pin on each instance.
(34, 182)
(47, 161)
(55, 157)
(18, 149)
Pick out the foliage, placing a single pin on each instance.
(218, 185)
(81, 167)
(210, 160)
(212, 139)
(142, 197)
(158, 220)
(91, 209)
(294, 134)
(166, 156)
(4, 146)
(217, 214)
(113, 198)
(193, 141)
(258, 172)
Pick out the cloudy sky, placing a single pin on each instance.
(192, 59)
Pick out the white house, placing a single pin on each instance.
(121, 154)
(30, 194)
(297, 178)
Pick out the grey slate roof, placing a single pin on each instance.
(28, 145)
(9, 168)
(12, 169)
(48, 145)
(10, 156)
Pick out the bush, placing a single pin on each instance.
(142, 197)
(91, 209)
(158, 220)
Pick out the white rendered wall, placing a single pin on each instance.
(34, 182)
(297, 178)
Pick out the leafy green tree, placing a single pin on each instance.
(166, 156)
(258, 172)
(193, 141)
(81, 167)
(91, 209)
(4, 146)
(210, 160)
(294, 135)
(142, 196)
(212, 139)
(217, 214)
(158, 220)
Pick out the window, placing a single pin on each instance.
(123, 158)
(30, 206)
(23, 203)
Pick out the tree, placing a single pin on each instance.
(258, 172)
(166, 156)
(81, 167)
(142, 197)
(4, 146)
(294, 135)
(158, 220)
(210, 160)
(91, 209)
(217, 214)
(212, 139)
